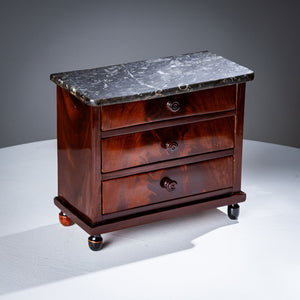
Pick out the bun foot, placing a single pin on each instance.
(95, 242)
(64, 219)
(233, 211)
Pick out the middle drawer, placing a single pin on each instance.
(131, 150)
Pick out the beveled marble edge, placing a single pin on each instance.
(164, 93)
(247, 75)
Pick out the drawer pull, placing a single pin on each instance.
(168, 184)
(173, 106)
(171, 147)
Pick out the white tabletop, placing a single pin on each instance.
(200, 256)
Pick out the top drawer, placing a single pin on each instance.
(188, 104)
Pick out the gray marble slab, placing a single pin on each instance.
(151, 78)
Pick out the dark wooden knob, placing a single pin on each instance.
(171, 147)
(168, 184)
(173, 106)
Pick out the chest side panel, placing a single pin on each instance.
(76, 140)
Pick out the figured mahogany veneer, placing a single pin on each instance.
(151, 160)
(77, 146)
(167, 143)
(188, 104)
(187, 154)
(162, 185)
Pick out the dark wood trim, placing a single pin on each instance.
(167, 123)
(166, 164)
(152, 216)
(239, 123)
(96, 165)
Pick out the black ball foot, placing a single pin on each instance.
(233, 211)
(95, 242)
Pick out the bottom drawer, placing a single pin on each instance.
(167, 184)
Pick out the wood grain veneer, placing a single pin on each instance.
(157, 167)
(145, 189)
(140, 112)
(167, 143)
(79, 175)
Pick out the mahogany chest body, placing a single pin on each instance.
(150, 140)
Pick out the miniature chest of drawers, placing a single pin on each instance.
(149, 140)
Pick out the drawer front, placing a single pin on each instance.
(163, 185)
(188, 104)
(151, 146)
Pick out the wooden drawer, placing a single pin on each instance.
(130, 150)
(188, 104)
(163, 185)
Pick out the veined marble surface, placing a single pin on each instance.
(151, 78)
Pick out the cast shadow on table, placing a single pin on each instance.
(52, 253)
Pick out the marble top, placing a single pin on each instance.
(151, 78)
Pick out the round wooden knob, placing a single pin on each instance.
(173, 106)
(171, 147)
(168, 184)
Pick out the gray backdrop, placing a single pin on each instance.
(43, 37)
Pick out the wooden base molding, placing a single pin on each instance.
(147, 217)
